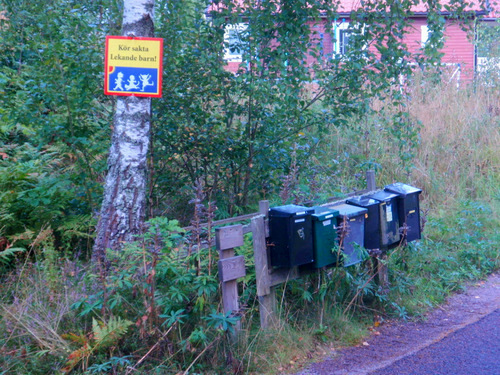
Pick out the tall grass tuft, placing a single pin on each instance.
(459, 154)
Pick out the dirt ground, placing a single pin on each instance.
(396, 340)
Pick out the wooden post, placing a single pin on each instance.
(230, 267)
(264, 208)
(370, 180)
(265, 292)
(380, 267)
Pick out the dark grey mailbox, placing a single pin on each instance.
(290, 236)
(373, 234)
(354, 233)
(389, 218)
(324, 221)
(408, 209)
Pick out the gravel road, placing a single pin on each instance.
(460, 337)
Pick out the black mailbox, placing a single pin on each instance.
(373, 234)
(408, 209)
(290, 236)
(324, 222)
(389, 221)
(351, 224)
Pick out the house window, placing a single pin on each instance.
(424, 31)
(342, 37)
(426, 35)
(235, 42)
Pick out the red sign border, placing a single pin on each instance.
(106, 65)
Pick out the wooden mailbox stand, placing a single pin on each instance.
(232, 267)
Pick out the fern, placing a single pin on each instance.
(7, 254)
(79, 339)
(106, 335)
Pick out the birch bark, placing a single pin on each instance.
(123, 207)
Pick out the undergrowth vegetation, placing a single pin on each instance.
(220, 142)
(157, 308)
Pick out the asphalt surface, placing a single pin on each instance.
(460, 337)
(473, 350)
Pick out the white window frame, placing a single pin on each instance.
(425, 34)
(239, 30)
(346, 27)
(340, 29)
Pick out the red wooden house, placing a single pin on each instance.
(459, 51)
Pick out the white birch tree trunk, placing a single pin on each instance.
(123, 208)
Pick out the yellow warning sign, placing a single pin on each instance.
(133, 66)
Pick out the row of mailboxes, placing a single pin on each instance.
(302, 235)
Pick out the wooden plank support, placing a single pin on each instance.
(265, 292)
(227, 238)
(230, 267)
(283, 275)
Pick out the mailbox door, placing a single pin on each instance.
(325, 240)
(354, 237)
(408, 208)
(411, 217)
(290, 231)
(278, 241)
(389, 218)
(373, 235)
(354, 241)
(389, 223)
(301, 246)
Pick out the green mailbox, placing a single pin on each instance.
(324, 222)
(351, 222)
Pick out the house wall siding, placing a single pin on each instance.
(458, 48)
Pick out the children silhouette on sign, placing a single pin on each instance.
(132, 83)
(145, 81)
(119, 81)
